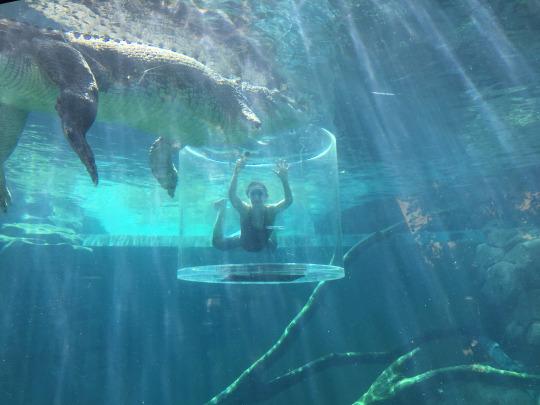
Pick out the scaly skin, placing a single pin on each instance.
(87, 78)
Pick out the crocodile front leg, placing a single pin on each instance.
(12, 122)
(77, 103)
(5, 195)
(162, 165)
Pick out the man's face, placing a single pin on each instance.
(257, 195)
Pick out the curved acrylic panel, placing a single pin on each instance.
(307, 233)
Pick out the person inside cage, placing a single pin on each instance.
(256, 216)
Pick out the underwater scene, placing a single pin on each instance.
(270, 202)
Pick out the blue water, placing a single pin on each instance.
(436, 109)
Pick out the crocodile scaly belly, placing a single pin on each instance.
(24, 86)
(157, 114)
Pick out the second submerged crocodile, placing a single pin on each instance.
(87, 78)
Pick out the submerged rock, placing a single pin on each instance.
(518, 255)
(501, 237)
(509, 276)
(32, 243)
(526, 256)
(502, 284)
(479, 393)
(533, 247)
(47, 233)
(533, 333)
(487, 255)
(25, 247)
(523, 332)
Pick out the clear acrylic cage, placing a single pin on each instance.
(308, 233)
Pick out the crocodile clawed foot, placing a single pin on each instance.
(78, 143)
(5, 198)
(77, 112)
(162, 165)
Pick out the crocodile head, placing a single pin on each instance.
(277, 112)
(257, 112)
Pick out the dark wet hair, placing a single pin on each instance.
(256, 184)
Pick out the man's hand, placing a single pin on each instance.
(240, 164)
(282, 169)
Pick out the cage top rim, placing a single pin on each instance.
(198, 152)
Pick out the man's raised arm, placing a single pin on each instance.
(236, 202)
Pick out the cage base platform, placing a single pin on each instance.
(261, 273)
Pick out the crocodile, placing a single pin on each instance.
(86, 78)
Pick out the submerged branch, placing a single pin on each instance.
(308, 370)
(368, 241)
(249, 376)
(249, 382)
(391, 383)
(293, 377)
